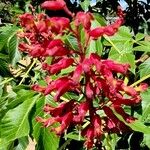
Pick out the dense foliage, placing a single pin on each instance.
(75, 83)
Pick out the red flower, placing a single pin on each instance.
(56, 48)
(58, 24)
(84, 18)
(88, 132)
(81, 112)
(57, 67)
(38, 88)
(53, 5)
(60, 110)
(89, 90)
(55, 85)
(77, 74)
(116, 67)
(27, 20)
(113, 124)
(125, 116)
(97, 32)
(64, 123)
(142, 87)
(97, 124)
(67, 86)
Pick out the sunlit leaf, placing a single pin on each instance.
(144, 68)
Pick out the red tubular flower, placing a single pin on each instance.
(47, 122)
(65, 122)
(77, 73)
(38, 88)
(63, 89)
(60, 110)
(81, 112)
(125, 116)
(88, 132)
(27, 20)
(129, 102)
(97, 124)
(36, 50)
(97, 32)
(86, 65)
(108, 30)
(53, 5)
(129, 90)
(58, 24)
(56, 48)
(116, 67)
(89, 90)
(57, 67)
(142, 87)
(84, 18)
(55, 85)
(57, 51)
(113, 124)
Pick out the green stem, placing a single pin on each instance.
(141, 80)
(65, 144)
(114, 46)
(5, 81)
(33, 63)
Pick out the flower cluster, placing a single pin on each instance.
(94, 78)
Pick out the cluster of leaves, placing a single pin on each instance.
(19, 105)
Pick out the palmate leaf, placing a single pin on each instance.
(46, 140)
(15, 123)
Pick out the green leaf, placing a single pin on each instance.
(45, 139)
(6, 32)
(71, 42)
(144, 68)
(13, 51)
(4, 57)
(15, 123)
(4, 70)
(142, 48)
(140, 127)
(146, 140)
(139, 36)
(95, 47)
(98, 20)
(12, 100)
(145, 106)
(122, 36)
(74, 136)
(22, 143)
(137, 125)
(85, 5)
